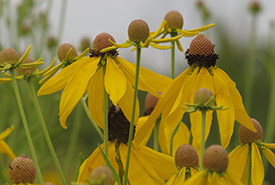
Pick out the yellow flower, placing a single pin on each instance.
(172, 25)
(4, 148)
(251, 144)
(99, 71)
(147, 166)
(202, 73)
(215, 161)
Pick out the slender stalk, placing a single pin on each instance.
(105, 114)
(250, 65)
(133, 115)
(172, 138)
(249, 164)
(26, 127)
(156, 132)
(84, 105)
(173, 60)
(45, 131)
(62, 19)
(271, 116)
(203, 115)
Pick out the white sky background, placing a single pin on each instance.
(91, 17)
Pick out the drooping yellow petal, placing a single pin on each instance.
(115, 82)
(180, 177)
(126, 103)
(95, 97)
(232, 180)
(140, 170)
(148, 80)
(238, 161)
(158, 160)
(59, 81)
(154, 45)
(172, 180)
(257, 168)
(187, 33)
(269, 145)
(5, 149)
(143, 128)
(76, 88)
(5, 80)
(198, 179)
(240, 112)
(6, 133)
(203, 28)
(270, 156)
(217, 180)
(96, 160)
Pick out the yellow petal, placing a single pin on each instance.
(240, 112)
(187, 33)
(198, 179)
(203, 28)
(95, 160)
(257, 168)
(140, 169)
(95, 97)
(148, 80)
(181, 176)
(5, 80)
(59, 81)
(269, 145)
(76, 88)
(154, 45)
(126, 103)
(6, 133)
(181, 137)
(144, 128)
(179, 45)
(172, 180)
(270, 156)
(5, 149)
(158, 160)
(115, 82)
(156, 33)
(232, 180)
(238, 161)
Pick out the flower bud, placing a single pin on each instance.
(174, 19)
(201, 45)
(138, 30)
(101, 42)
(63, 50)
(202, 96)
(186, 156)
(9, 56)
(27, 71)
(102, 175)
(150, 103)
(248, 136)
(215, 159)
(22, 170)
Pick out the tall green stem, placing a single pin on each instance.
(172, 138)
(45, 131)
(249, 164)
(250, 65)
(156, 132)
(133, 115)
(173, 60)
(105, 114)
(62, 19)
(26, 127)
(84, 105)
(203, 115)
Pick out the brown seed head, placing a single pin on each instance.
(101, 42)
(27, 71)
(9, 56)
(22, 170)
(202, 96)
(138, 30)
(215, 159)
(201, 46)
(150, 103)
(102, 175)
(186, 156)
(174, 19)
(255, 7)
(63, 49)
(248, 136)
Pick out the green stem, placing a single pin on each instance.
(250, 65)
(133, 114)
(156, 132)
(271, 116)
(249, 164)
(62, 19)
(172, 138)
(173, 60)
(84, 105)
(26, 127)
(45, 131)
(203, 115)
(105, 114)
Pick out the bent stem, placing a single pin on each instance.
(133, 115)
(26, 127)
(203, 115)
(45, 131)
(105, 113)
(173, 60)
(84, 105)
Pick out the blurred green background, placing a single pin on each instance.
(247, 36)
